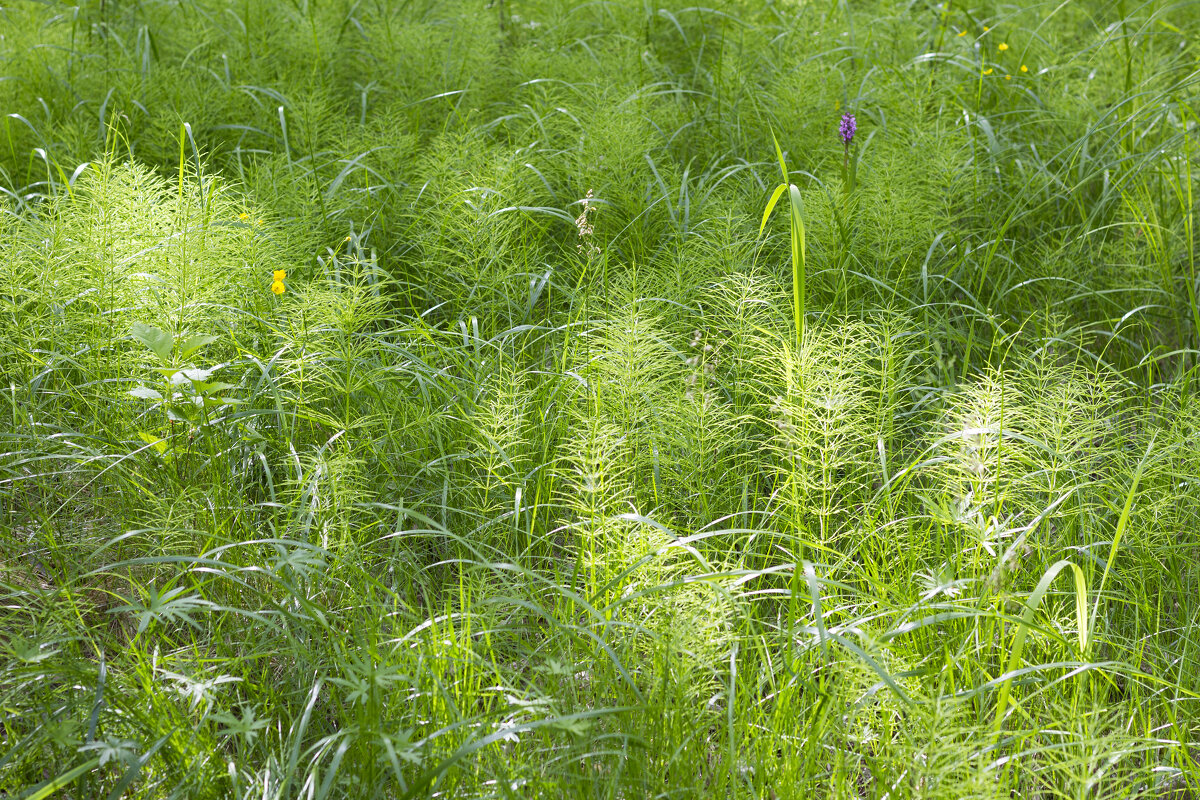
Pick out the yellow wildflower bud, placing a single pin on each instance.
(243, 216)
(1008, 77)
(1002, 46)
(279, 275)
(1024, 68)
(986, 29)
(962, 34)
(277, 287)
(988, 71)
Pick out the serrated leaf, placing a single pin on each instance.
(158, 341)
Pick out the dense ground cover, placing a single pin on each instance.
(399, 399)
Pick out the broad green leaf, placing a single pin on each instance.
(779, 153)
(156, 442)
(779, 190)
(195, 342)
(799, 269)
(211, 387)
(182, 414)
(145, 393)
(160, 342)
(192, 374)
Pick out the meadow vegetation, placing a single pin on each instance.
(408, 398)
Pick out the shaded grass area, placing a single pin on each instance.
(531, 483)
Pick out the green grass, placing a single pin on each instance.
(517, 491)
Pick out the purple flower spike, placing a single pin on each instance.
(848, 127)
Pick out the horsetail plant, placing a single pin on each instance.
(492, 505)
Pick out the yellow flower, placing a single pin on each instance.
(1024, 68)
(962, 34)
(258, 222)
(987, 71)
(279, 275)
(1002, 46)
(346, 240)
(277, 287)
(1008, 77)
(986, 29)
(243, 216)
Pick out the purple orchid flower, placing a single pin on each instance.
(847, 128)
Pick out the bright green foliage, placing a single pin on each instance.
(558, 468)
